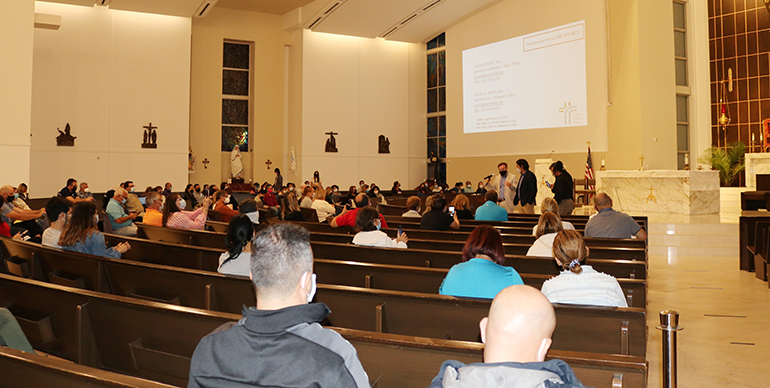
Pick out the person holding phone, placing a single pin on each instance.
(437, 217)
(368, 226)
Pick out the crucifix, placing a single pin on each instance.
(331, 142)
(150, 136)
(268, 163)
(642, 159)
(205, 163)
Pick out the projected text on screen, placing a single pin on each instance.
(528, 82)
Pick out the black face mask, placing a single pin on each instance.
(198, 190)
(504, 173)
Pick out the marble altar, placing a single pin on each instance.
(542, 174)
(756, 163)
(661, 191)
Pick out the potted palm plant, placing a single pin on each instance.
(728, 161)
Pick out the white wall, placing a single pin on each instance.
(109, 73)
(16, 35)
(359, 88)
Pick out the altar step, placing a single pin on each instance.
(693, 239)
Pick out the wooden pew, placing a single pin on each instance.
(214, 291)
(200, 238)
(747, 225)
(33, 370)
(156, 340)
(172, 254)
(628, 269)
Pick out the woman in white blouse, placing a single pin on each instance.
(547, 227)
(579, 283)
(323, 208)
(369, 233)
(549, 205)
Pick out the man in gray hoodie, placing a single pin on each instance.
(517, 336)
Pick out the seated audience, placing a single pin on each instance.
(516, 336)
(197, 194)
(11, 334)
(481, 273)
(20, 220)
(368, 227)
(351, 198)
(549, 205)
(323, 208)
(462, 207)
(307, 197)
(348, 217)
(482, 188)
(468, 189)
(610, 223)
(154, 213)
(579, 283)
(413, 207)
(175, 217)
(69, 192)
(280, 343)
(547, 226)
(437, 218)
(21, 197)
(168, 190)
(122, 223)
(85, 191)
(490, 210)
(236, 260)
(190, 197)
(458, 188)
(230, 200)
(58, 211)
(249, 208)
(270, 202)
(396, 189)
(81, 234)
(133, 203)
(292, 211)
(225, 210)
(374, 192)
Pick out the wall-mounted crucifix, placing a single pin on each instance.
(205, 163)
(268, 163)
(150, 137)
(331, 142)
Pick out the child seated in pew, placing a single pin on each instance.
(481, 274)
(517, 336)
(81, 234)
(368, 225)
(238, 256)
(579, 283)
(547, 227)
(549, 205)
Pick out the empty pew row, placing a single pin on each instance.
(217, 240)
(169, 284)
(408, 313)
(156, 341)
(37, 371)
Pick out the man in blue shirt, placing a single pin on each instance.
(490, 210)
(122, 223)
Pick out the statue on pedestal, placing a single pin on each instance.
(236, 165)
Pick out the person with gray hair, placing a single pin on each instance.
(122, 223)
(610, 223)
(280, 342)
(153, 215)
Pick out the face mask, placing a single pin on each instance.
(311, 294)
(123, 201)
(160, 209)
(198, 190)
(468, 186)
(376, 192)
(227, 199)
(170, 189)
(96, 219)
(86, 190)
(480, 186)
(379, 225)
(336, 190)
(181, 204)
(132, 190)
(67, 218)
(15, 195)
(504, 173)
(291, 188)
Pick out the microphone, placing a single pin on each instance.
(549, 155)
(488, 176)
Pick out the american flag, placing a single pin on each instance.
(589, 174)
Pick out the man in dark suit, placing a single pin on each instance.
(526, 191)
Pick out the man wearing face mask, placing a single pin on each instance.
(69, 192)
(58, 211)
(154, 214)
(294, 349)
(133, 204)
(526, 190)
(122, 223)
(505, 185)
(84, 192)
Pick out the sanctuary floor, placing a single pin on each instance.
(725, 312)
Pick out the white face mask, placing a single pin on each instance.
(131, 190)
(291, 188)
(181, 204)
(86, 190)
(311, 294)
(96, 219)
(227, 199)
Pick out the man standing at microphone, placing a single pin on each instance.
(505, 185)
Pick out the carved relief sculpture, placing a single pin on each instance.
(65, 139)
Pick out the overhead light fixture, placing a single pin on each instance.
(204, 8)
(425, 8)
(324, 13)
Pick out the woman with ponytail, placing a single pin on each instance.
(578, 283)
(237, 259)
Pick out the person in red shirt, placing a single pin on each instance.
(348, 217)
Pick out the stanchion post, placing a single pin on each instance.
(669, 325)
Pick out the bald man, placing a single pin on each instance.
(517, 336)
(610, 223)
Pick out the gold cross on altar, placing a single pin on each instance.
(652, 196)
(642, 159)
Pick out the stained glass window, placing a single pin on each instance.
(436, 101)
(235, 82)
(236, 95)
(236, 55)
(235, 111)
(232, 136)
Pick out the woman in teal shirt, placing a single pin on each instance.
(481, 274)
